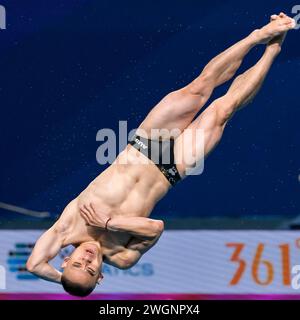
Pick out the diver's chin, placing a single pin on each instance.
(92, 246)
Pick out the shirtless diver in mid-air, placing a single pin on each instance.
(108, 222)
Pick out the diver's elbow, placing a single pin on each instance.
(160, 226)
(30, 266)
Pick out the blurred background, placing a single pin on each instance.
(70, 68)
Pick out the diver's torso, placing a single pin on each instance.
(129, 187)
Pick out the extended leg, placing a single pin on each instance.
(177, 109)
(213, 120)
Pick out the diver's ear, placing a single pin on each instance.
(64, 263)
(100, 278)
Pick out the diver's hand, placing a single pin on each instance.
(94, 219)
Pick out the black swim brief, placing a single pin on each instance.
(161, 152)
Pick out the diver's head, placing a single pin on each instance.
(82, 270)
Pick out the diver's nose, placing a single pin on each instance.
(87, 259)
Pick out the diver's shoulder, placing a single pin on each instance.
(66, 220)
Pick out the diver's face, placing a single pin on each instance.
(85, 262)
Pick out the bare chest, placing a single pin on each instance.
(111, 242)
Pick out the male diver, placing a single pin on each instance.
(108, 222)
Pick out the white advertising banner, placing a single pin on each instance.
(208, 262)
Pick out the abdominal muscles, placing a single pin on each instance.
(127, 189)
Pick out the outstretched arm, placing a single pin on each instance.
(46, 248)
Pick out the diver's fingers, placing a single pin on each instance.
(86, 217)
(88, 209)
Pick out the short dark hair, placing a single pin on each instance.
(76, 289)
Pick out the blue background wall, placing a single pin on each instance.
(70, 68)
